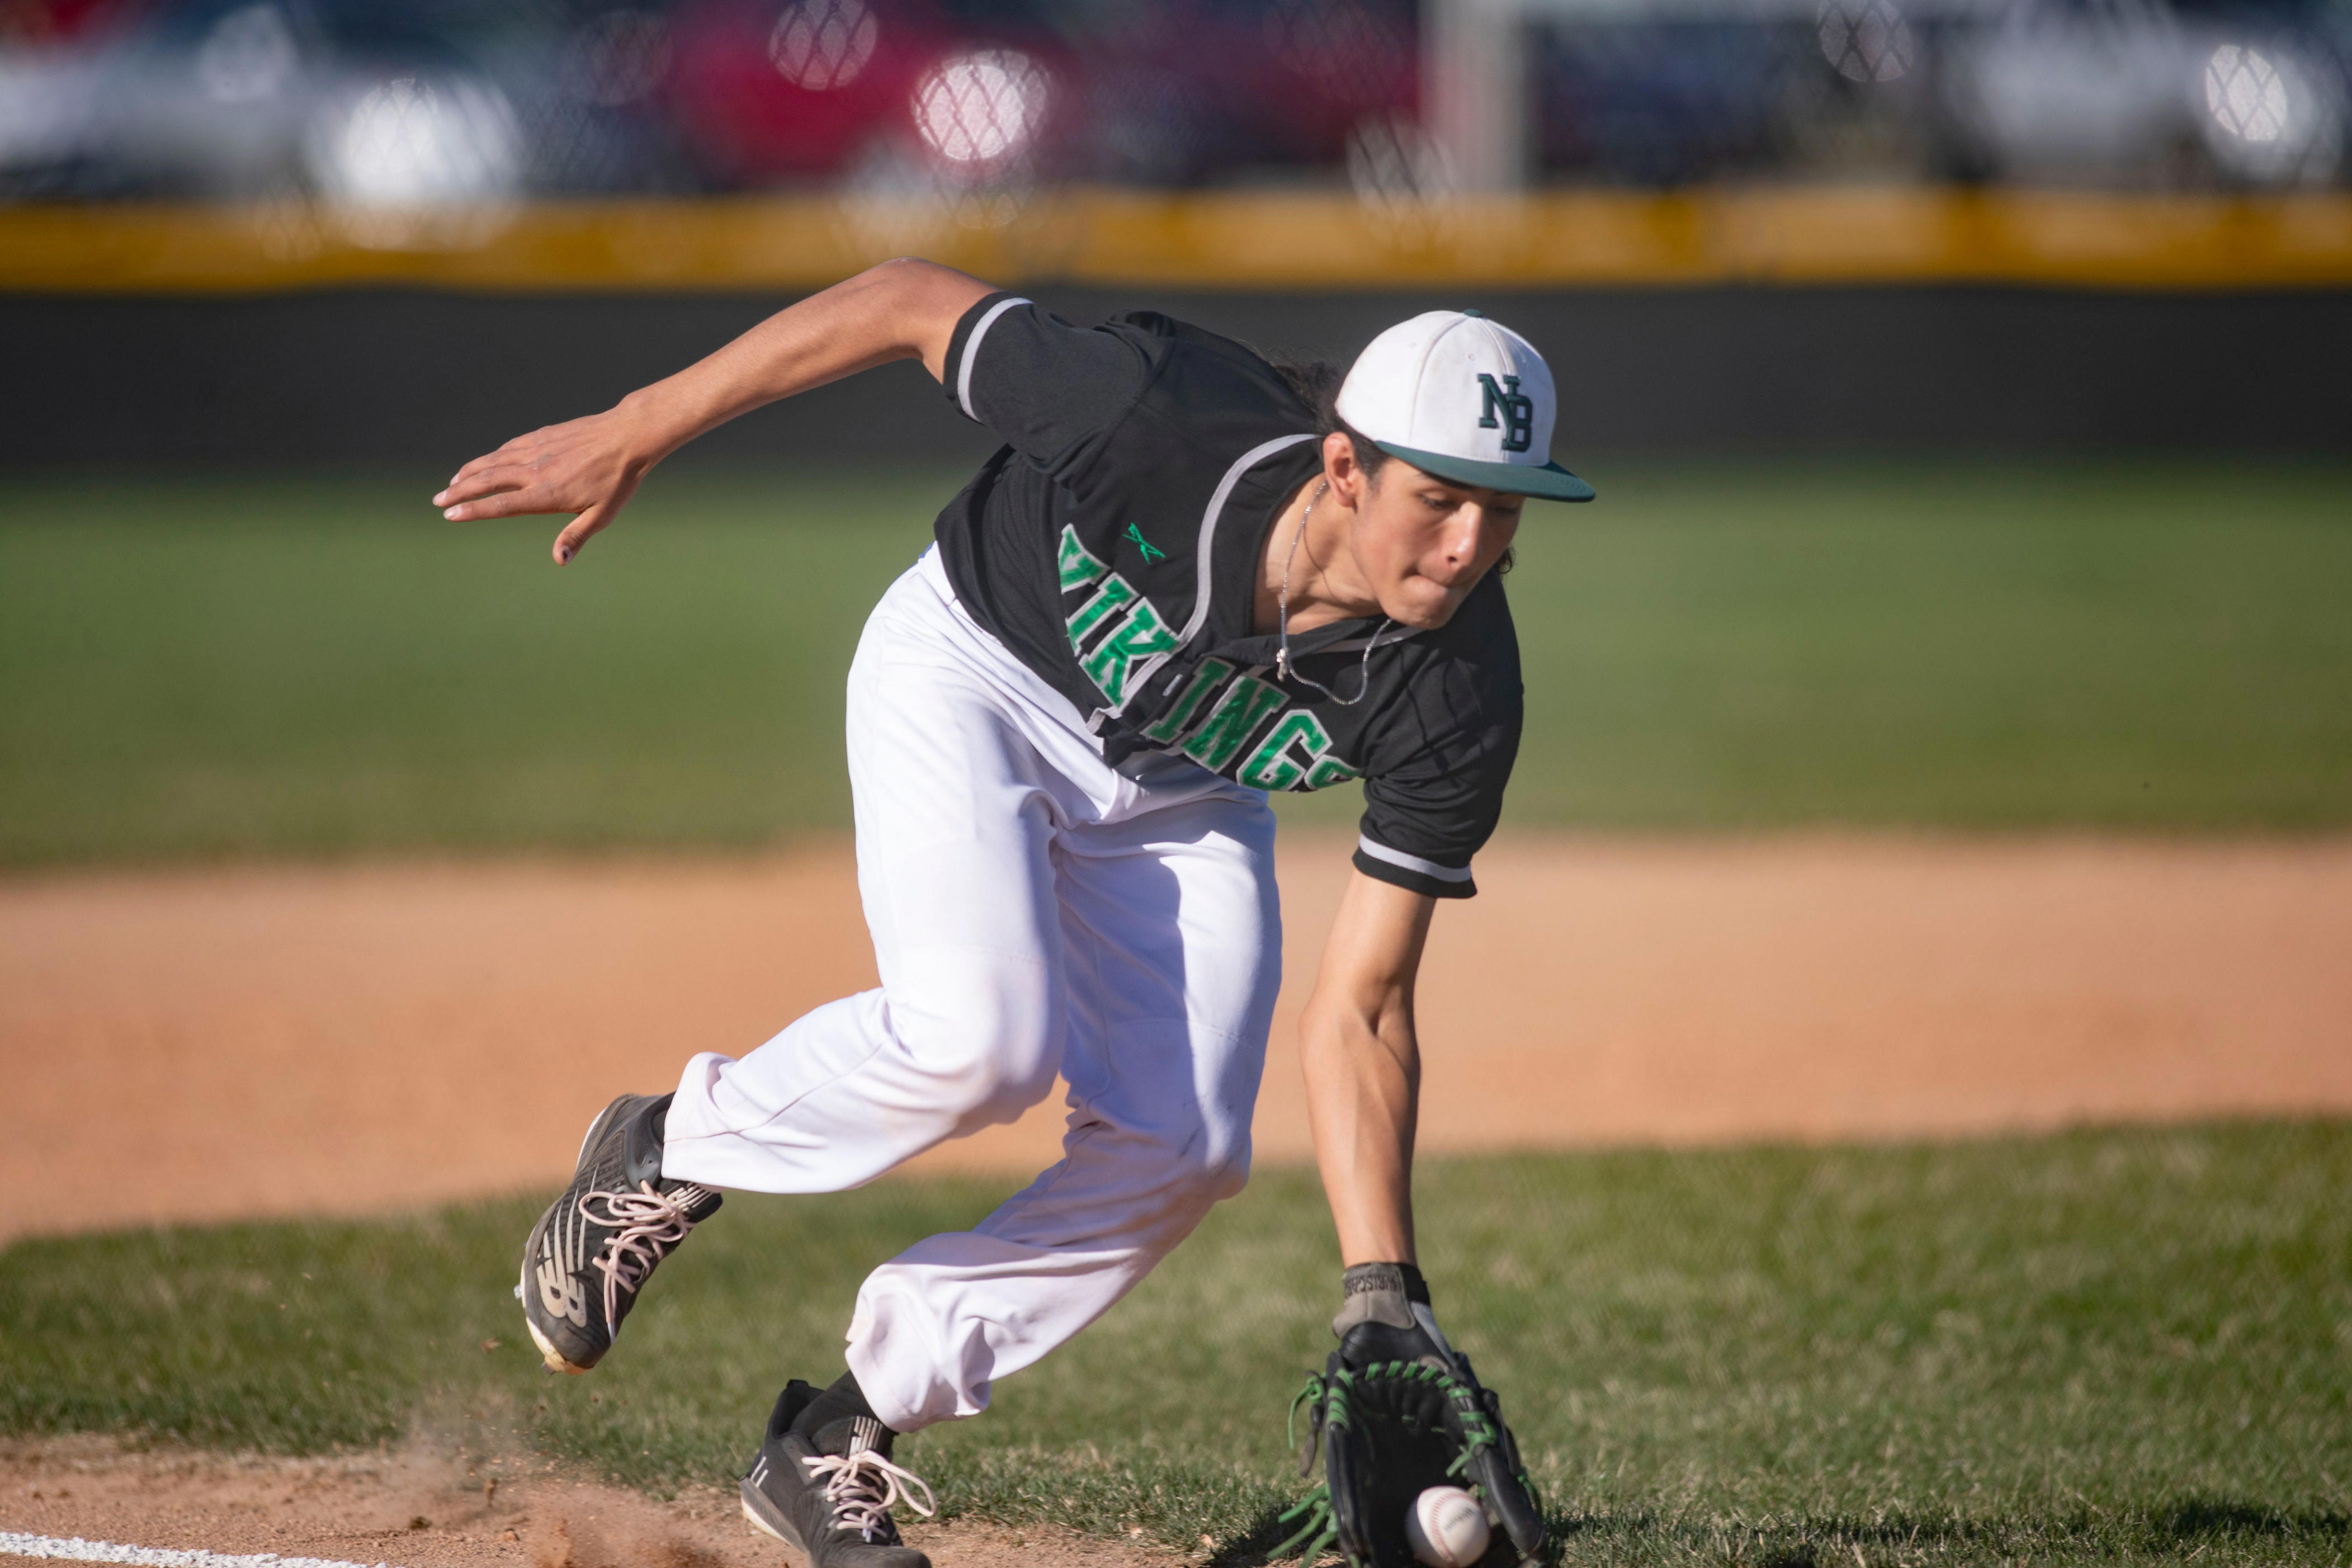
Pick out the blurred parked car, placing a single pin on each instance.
(365, 103)
(2142, 91)
(387, 109)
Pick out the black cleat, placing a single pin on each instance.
(827, 1494)
(594, 1247)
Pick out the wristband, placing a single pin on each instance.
(1379, 1293)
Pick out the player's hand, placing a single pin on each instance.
(587, 467)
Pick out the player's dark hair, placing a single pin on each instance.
(1317, 382)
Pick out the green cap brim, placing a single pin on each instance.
(1551, 482)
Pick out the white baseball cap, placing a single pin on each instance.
(1462, 397)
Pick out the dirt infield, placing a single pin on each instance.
(429, 1506)
(204, 1044)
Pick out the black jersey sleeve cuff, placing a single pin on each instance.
(1412, 872)
(963, 346)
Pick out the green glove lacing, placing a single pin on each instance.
(1319, 1528)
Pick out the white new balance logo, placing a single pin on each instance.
(560, 1293)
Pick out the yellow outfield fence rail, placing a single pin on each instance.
(1257, 240)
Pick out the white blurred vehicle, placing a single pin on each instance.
(2136, 92)
(380, 122)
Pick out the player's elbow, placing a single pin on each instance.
(901, 287)
(1353, 1019)
(1324, 1022)
(908, 272)
(920, 301)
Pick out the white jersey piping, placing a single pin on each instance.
(971, 347)
(1412, 862)
(1242, 464)
(1209, 519)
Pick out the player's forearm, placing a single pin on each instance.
(905, 308)
(1362, 1062)
(1363, 1090)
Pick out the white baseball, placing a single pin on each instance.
(1447, 1528)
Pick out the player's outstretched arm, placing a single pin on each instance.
(1407, 1439)
(905, 308)
(1362, 1062)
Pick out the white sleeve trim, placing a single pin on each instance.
(1412, 862)
(971, 347)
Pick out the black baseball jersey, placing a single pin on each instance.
(1113, 546)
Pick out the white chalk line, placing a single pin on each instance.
(80, 1550)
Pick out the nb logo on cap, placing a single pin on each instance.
(1518, 410)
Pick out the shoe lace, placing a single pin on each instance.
(861, 1487)
(646, 1224)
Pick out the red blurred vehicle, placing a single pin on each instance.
(762, 91)
(765, 91)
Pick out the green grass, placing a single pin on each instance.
(2102, 1346)
(211, 666)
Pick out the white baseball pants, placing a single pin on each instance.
(1033, 911)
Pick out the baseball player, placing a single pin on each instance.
(1178, 585)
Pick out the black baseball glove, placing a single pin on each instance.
(1396, 1411)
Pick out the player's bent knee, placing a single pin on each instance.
(989, 1058)
(1228, 1177)
(992, 1078)
(1208, 1172)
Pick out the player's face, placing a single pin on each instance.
(1423, 543)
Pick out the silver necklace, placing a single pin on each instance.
(1283, 670)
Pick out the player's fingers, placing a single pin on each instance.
(568, 543)
(512, 452)
(483, 475)
(525, 500)
(523, 450)
(443, 496)
(474, 487)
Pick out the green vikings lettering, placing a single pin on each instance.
(1179, 717)
(1080, 566)
(1113, 596)
(1243, 709)
(1278, 761)
(1296, 754)
(1139, 637)
(1272, 766)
